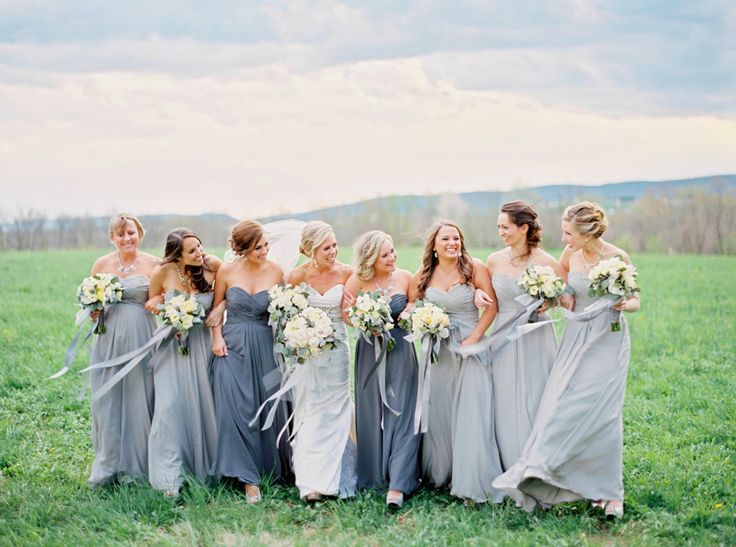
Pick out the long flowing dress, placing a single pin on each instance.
(575, 448)
(241, 381)
(460, 444)
(520, 369)
(121, 419)
(388, 448)
(183, 435)
(323, 452)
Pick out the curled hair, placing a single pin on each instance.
(429, 261)
(245, 235)
(119, 221)
(173, 251)
(366, 251)
(522, 213)
(588, 218)
(314, 234)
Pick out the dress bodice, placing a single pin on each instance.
(397, 304)
(458, 303)
(330, 303)
(580, 284)
(507, 289)
(243, 305)
(135, 289)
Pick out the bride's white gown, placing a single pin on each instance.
(323, 452)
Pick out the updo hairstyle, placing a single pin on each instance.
(522, 213)
(314, 234)
(244, 236)
(588, 218)
(366, 251)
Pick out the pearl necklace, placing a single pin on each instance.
(127, 269)
(597, 260)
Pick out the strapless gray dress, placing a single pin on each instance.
(460, 444)
(520, 370)
(575, 447)
(121, 419)
(239, 381)
(388, 449)
(183, 435)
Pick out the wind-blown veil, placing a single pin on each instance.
(284, 237)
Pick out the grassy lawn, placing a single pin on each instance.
(679, 455)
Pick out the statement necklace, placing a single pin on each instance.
(388, 286)
(185, 280)
(127, 269)
(516, 262)
(597, 260)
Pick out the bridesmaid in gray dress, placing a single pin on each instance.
(575, 447)
(459, 446)
(183, 432)
(121, 419)
(520, 367)
(388, 447)
(244, 372)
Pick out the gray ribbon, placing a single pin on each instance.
(593, 310)
(71, 351)
(132, 358)
(380, 345)
(430, 348)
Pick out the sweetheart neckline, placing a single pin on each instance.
(448, 291)
(315, 291)
(253, 295)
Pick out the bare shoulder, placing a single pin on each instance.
(213, 262)
(345, 272)
(160, 271)
(353, 283)
(298, 274)
(612, 250)
(478, 266)
(274, 269)
(403, 275)
(149, 258)
(495, 257)
(104, 263)
(543, 258)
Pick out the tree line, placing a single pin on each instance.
(689, 220)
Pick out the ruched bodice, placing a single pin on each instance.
(580, 284)
(136, 289)
(507, 288)
(243, 305)
(330, 303)
(397, 304)
(458, 303)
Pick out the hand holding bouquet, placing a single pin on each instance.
(426, 319)
(541, 282)
(95, 293)
(615, 278)
(305, 334)
(181, 311)
(371, 315)
(285, 301)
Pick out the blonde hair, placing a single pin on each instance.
(314, 234)
(118, 222)
(366, 251)
(245, 235)
(588, 218)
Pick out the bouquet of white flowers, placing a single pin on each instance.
(95, 293)
(181, 311)
(614, 278)
(305, 334)
(371, 315)
(285, 301)
(541, 282)
(426, 319)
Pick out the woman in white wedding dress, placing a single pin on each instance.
(323, 452)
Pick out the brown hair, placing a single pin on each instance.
(430, 261)
(245, 235)
(588, 218)
(522, 213)
(173, 251)
(118, 222)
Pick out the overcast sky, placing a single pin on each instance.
(251, 108)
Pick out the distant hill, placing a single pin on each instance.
(611, 195)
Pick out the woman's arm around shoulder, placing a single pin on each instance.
(157, 287)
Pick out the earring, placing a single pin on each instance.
(435, 254)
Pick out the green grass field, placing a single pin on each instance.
(679, 455)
